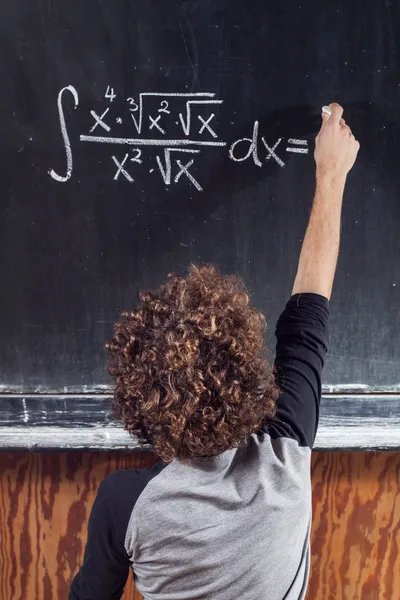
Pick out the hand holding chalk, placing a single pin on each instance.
(326, 110)
(336, 148)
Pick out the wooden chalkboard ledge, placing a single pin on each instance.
(83, 422)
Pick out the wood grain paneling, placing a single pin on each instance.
(356, 526)
(45, 501)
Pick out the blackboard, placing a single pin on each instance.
(140, 136)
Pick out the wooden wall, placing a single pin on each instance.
(45, 500)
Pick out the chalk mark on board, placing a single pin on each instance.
(26, 414)
(137, 157)
(206, 125)
(300, 146)
(184, 170)
(298, 142)
(164, 107)
(139, 107)
(186, 123)
(99, 120)
(154, 123)
(64, 133)
(240, 150)
(110, 94)
(121, 169)
(166, 169)
(272, 153)
(252, 148)
(297, 150)
(148, 142)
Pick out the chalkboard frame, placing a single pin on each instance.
(362, 422)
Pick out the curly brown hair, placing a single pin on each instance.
(190, 367)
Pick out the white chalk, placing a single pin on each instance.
(327, 110)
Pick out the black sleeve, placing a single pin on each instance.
(302, 342)
(105, 567)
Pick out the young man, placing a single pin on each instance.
(226, 512)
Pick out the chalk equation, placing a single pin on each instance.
(178, 126)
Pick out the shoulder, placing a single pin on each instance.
(305, 309)
(119, 492)
(131, 481)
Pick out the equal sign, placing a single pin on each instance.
(300, 146)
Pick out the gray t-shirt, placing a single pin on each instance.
(233, 526)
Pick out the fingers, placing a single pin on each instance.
(337, 112)
(335, 116)
(342, 123)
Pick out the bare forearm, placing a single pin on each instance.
(320, 250)
(336, 150)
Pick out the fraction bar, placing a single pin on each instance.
(148, 142)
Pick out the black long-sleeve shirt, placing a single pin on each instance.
(234, 526)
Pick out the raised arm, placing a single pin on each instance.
(335, 153)
(302, 329)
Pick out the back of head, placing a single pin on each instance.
(190, 367)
